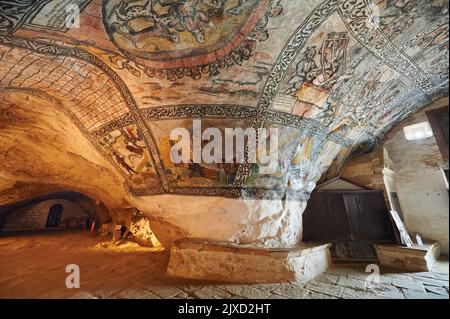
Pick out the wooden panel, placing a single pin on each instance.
(355, 221)
(439, 122)
(324, 218)
(375, 217)
(314, 227)
(337, 217)
(348, 216)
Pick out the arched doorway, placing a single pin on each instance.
(54, 216)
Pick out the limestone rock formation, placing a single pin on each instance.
(142, 233)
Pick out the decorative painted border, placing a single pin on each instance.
(217, 111)
(115, 124)
(223, 111)
(243, 193)
(311, 126)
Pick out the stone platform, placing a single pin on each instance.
(219, 262)
(415, 258)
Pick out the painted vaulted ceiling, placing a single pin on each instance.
(333, 75)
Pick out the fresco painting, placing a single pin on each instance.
(128, 151)
(172, 39)
(334, 78)
(195, 174)
(274, 176)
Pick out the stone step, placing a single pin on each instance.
(416, 258)
(224, 262)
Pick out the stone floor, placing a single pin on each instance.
(33, 266)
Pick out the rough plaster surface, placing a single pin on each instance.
(419, 182)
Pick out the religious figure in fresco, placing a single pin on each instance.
(333, 59)
(260, 32)
(238, 8)
(173, 32)
(132, 141)
(436, 37)
(158, 25)
(195, 169)
(121, 161)
(306, 70)
(400, 15)
(168, 18)
(186, 17)
(128, 150)
(230, 170)
(324, 73)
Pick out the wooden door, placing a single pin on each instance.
(353, 211)
(375, 217)
(347, 216)
(313, 217)
(338, 226)
(324, 218)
